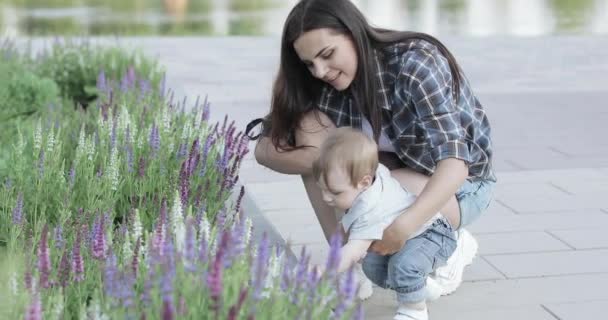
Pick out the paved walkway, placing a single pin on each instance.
(543, 243)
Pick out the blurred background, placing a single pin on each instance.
(265, 17)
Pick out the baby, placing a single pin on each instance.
(352, 181)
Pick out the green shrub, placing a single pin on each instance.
(75, 66)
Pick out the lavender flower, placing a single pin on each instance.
(206, 110)
(110, 280)
(34, 311)
(77, 262)
(234, 310)
(168, 313)
(72, 177)
(141, 167)
(58, 237)
(64, 269)
(359, 314)
(44, 259)
(214, 282)
(334, 253)
(101, 82)
(99, 242)
(260, 269)
(18, 210)
(347, 292)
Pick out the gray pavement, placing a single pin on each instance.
(543, 243)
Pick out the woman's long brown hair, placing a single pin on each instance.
(296, 91)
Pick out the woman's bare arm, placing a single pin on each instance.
(311, 133)
(288, 162)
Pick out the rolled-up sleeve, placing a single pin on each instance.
(428, 82)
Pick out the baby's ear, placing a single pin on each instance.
(366, 181)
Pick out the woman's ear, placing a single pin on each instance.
(365, 182)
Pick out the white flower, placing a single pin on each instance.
(204, 229)
(166, 121)
(50, 141)
(137, 227)
(177, 222)
(38, 137)
(248, 231)
(113, 172)
(127, 252)
(186, 132)
(90, 148)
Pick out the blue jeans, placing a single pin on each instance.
(474, 197)
(405, 272)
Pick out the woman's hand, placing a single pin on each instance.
(393, 239)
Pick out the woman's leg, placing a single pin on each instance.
(414, 182)
(312, 133)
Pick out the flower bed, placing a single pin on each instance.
(131, 214)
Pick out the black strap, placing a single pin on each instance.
(252, 125)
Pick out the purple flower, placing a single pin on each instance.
(58, 237)
(346, 292)
(141, 167)
(64, 269)
(206, 110)
(214, 282)
(154, 139)
(234, 310)
(334, 253)
(260, 270)
(44, 259)
(110, 280)
(72, 177)
(129, 150)
(77, 262)
(168, 313)
(101, 81)
(99, 242)
(184, 184)
(34, 310)
(239, 200)
(359, 314)
(18, 210)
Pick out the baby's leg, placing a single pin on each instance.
(375, 268)
(409, 268)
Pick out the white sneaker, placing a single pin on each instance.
(405, 313)
(365, 285)
(446, 279)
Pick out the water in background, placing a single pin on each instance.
(266, 17)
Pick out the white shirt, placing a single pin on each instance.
(378, 206)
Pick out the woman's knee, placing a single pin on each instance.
(313, 129)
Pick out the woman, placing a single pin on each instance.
(405, 90)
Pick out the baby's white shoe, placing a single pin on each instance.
(365, 285)
(406, 313)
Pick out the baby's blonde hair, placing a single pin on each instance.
(349, 149)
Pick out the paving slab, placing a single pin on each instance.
(583, 238)
(519, 242)
(579, 310)
(523, 265)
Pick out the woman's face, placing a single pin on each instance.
(329, 56)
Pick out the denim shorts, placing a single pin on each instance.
(474, 197)
(405, 272)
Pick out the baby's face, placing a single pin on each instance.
(338, 191)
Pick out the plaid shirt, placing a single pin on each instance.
(419, 114)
